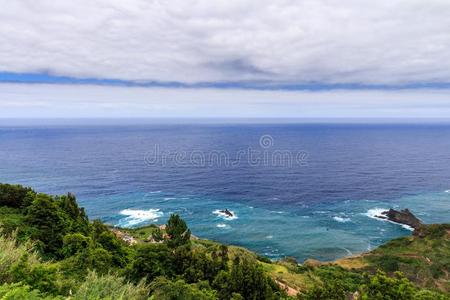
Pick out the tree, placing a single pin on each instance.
(194, 265)
(97, 228)
(150, 261)
(118, 249)
(15, 195)
(222, 283)
(48, 222)
(248, 279)
(178, 232)
(157, 235)
(76, 217)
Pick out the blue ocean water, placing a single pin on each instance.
(306, 190)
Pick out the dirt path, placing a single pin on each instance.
(290, 291)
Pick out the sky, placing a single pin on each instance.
(225, 58)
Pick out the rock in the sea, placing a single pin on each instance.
(227, 213)
(403, 217)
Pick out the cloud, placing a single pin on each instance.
(300, 41)
(90, 101)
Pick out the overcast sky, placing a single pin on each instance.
(225, 58)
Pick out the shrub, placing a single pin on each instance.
(41, 276)
(429, 295)
(388, 263)
(74, 243)
(263, 259)
(330, 290)
(164, 289)
(436, 231)
(382, 287)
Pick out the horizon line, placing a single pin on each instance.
(222, 120)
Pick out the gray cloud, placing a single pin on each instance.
(298, 41)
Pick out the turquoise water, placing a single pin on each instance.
(318, 207)
(323, 231)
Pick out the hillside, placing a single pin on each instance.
(49, 249)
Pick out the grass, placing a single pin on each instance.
(424, 260)
(109, 287)
(141, 233)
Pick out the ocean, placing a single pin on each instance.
(300, 190)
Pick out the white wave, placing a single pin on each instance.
(269, 237)
(224, 216)
(341, 219)
(225, 226)
(404, 226)
(155, 192)
(137, 216)
(348, 251)
(447, 191)
(376, 213)
(169, 198)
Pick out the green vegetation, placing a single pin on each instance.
(50, 250)
(423, 258)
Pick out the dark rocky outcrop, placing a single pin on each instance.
(404, 216)
(227, 213)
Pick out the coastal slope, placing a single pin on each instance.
(49, 249)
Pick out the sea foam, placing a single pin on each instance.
(137, 216)
(375, 213)
(341, 219)
(224, 226)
